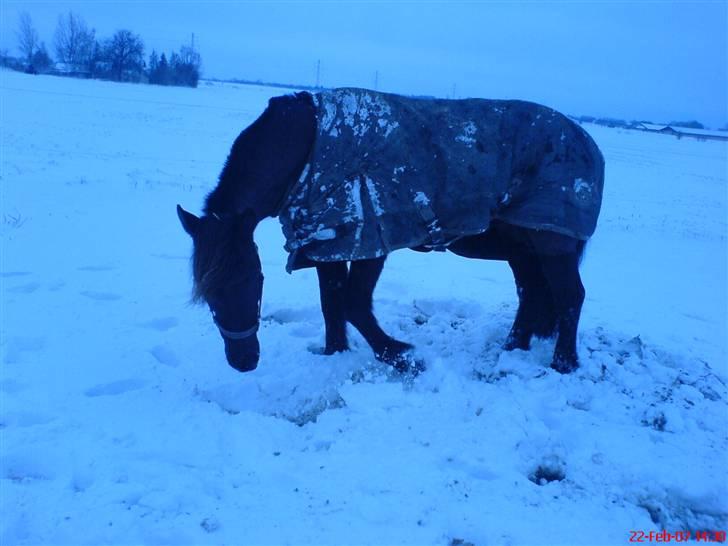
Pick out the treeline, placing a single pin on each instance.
(624, 124)
(180, 69)
(78, 52)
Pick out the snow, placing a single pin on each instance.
(122, 423)
(358, 113)
(374, 196)
(421, 199)
(466, 137)
(582, 188)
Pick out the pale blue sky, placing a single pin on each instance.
(657, 60)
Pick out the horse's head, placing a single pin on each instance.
(227, 276)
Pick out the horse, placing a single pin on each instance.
(530, 150)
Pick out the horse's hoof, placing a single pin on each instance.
(328, 351)
(565, 365)
(401, 357)
(325, 351)
(519, 341)
(512, 345)
(407, 364)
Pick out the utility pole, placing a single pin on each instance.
(318, 73)
(193, 41)
(454, 91)
(376, 80)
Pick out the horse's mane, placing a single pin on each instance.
(212, 263)
(220, 253)
(251, 149)
(283, 131)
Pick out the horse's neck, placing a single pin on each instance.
(267, 158)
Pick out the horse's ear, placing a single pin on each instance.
(190, 222)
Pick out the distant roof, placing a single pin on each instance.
(683, 130)
(702, 132)
(652, 126)
(70, 68)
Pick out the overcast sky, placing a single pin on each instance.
(656, 60)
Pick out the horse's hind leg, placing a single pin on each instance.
(333, 277)
(536, 314)
(363, 277)
(562, 274)
(541, 304)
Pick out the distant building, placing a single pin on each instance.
(679, 132)
(68, 69)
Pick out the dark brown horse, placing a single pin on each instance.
(271, 161)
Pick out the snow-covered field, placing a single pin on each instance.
(121, 422)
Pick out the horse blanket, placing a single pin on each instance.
(389, 172)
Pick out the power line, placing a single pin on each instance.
(125, 156)
(120, 99)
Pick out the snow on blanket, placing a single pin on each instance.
(121, 422)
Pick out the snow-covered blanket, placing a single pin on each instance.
(389, 172)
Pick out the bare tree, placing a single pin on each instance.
(27, 36)
(125, 52)
(73, 40)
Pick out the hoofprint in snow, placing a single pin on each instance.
(121, 422)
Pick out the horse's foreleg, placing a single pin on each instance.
(567, 291)
(363, 277)
(332, 278)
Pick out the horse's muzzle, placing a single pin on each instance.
(243, 354)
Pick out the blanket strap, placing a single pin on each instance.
(432, 224)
